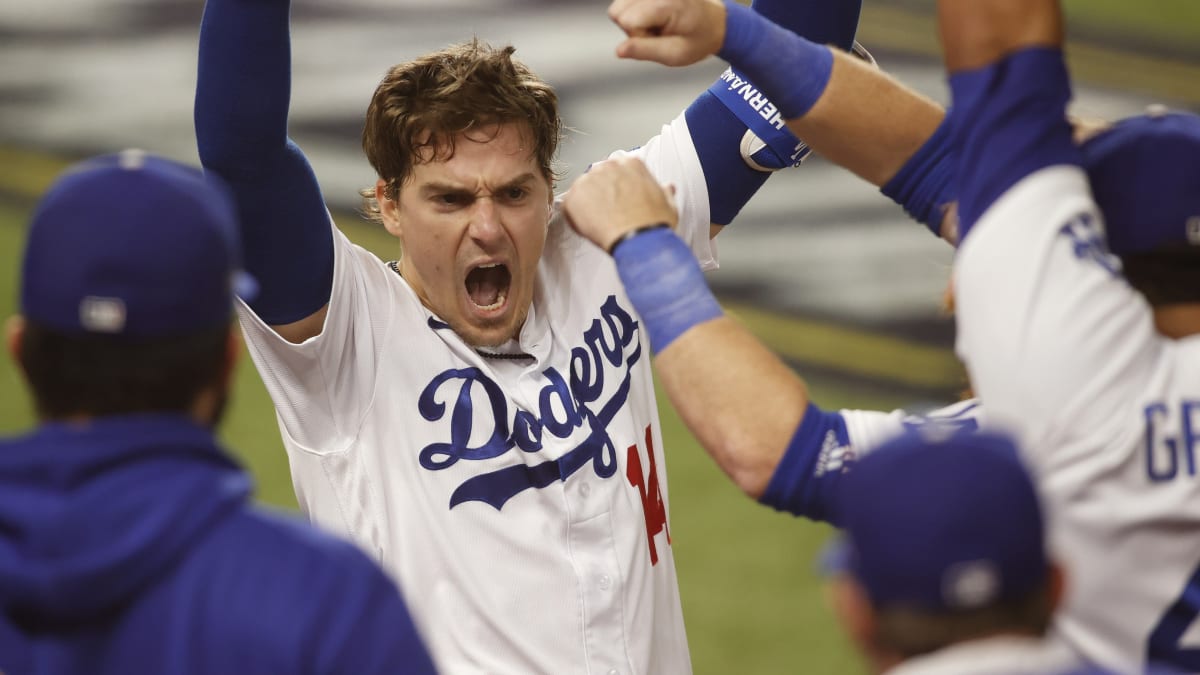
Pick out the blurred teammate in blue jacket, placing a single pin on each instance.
(128, 543)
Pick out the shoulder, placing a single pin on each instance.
(286, 566)
(567, 253)
(867, 429)
(265, 534)
(280, 581)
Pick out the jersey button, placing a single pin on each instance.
(614, 671)
(585, 490)
(605, 582)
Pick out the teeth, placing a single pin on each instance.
(503, 295)
(488, 266)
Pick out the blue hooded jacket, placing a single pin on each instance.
(128, 545)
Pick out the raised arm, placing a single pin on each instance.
(1048, 328)
(978, 33)
(241, 114)
(739, 136)
(744, 415)
(847, 111)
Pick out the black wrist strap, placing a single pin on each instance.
(633, 233)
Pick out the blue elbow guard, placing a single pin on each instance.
(924, 186)
(769, 146)
(717, 134)
(665, 285)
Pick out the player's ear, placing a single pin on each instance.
(1057, 586)
(388, 208)
(14, 333)
(853, 610)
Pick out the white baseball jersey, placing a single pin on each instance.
(520, 503)
(1065, 354)
(1002, 655)
(868, 429)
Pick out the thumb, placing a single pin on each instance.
(668, 51)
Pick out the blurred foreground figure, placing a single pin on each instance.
(128, 543)
(943, 566)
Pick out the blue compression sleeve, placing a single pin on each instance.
(719, 118)
(825, 22)
(665, 285)
(791, 70)
(924, 186)
(805, 481)
(1008, 120)
(241, 109)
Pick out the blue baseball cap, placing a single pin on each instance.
(942, 524)
(133, 245)
(1145, 177)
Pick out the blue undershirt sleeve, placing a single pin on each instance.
(241, 116)
(806, 480)
(924, 186)
(1008, 120)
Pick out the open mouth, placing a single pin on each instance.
(487, 285)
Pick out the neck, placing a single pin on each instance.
(1178, 321)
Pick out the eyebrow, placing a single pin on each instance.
(436, 187)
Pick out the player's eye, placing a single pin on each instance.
(515, 194)
(450, 199)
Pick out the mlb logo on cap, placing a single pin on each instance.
(133, 245)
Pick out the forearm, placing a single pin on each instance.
(976, 33)
(241, 116)
(243, 85)
(720, 117)
(739, 400)
(866, 121)
(848, 111)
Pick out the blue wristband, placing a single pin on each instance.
(791, 70)
(924, 186)
(665, 285)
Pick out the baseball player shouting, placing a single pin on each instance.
(1098, 379)
(479, 415)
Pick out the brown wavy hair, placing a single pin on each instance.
(423, 106)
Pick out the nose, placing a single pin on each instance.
(485, 227)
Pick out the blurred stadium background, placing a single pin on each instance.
(820, 266)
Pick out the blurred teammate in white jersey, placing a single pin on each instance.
(1099, 384)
